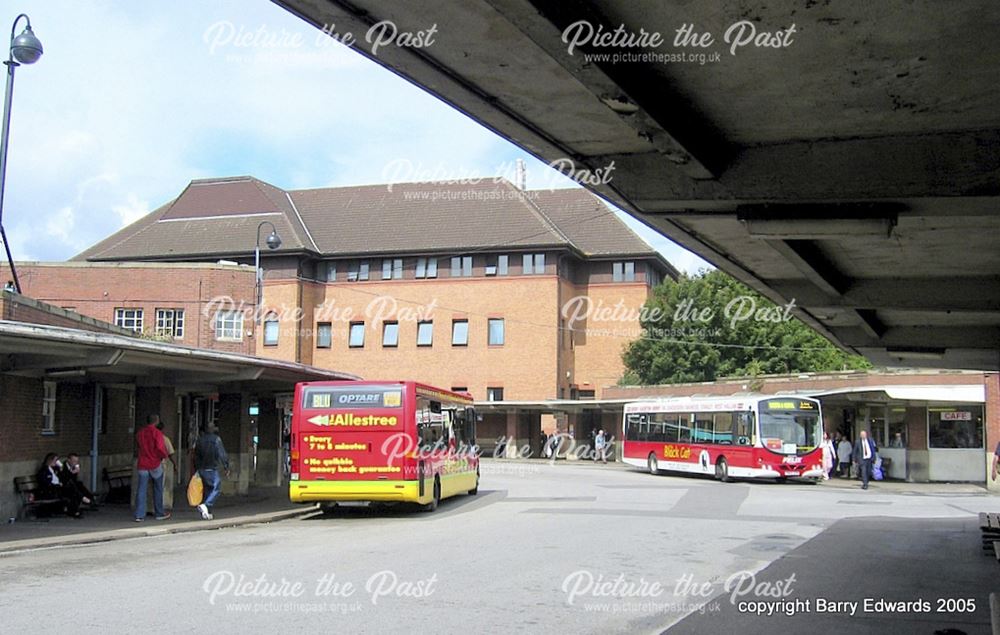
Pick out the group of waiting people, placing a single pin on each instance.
(839, 453)
(59, 480)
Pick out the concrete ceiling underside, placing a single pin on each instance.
(855, 171)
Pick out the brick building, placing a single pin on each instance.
(935, 425)
(171, 302)
(69, 383)
(484, 287)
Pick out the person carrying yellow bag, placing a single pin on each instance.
(196, 490)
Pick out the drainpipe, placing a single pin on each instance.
(95, 434)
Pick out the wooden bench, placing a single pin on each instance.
(989, 525)
(119, 480)
(28, 489)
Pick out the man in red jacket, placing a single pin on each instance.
(150, 450)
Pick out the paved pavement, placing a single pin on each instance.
(571, 548)
(114, 522)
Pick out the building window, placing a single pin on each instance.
(229, 325)
(464, 389)
(48, 407)
(271, 328)
(497, 265)
(331, 272)
(494, 394)
(324, 335)
(170, 323)
(533, 263)
(392, 268)
(358, 271)
(357, 338)
(425, 333)
(623, 271)
(585, 394)
(461, 266)
(652, 276)
(129, 319)
(427, 268)
(496, 332)
(390, 334)
(460, 333)
(955, 426)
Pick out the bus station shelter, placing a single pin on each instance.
(64, 389)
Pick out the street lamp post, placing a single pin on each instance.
(273, 242)
(24, 49)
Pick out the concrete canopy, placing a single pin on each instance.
(855, 171)
(65, 354)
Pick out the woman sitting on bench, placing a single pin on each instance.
(50, 486)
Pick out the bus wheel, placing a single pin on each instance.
(651, 463)
(475, 490)
(722, 470)
(431, 506)
(328, 508)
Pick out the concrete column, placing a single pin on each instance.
(236, 433)
(513, 418)
(992, 426)
(269, 449)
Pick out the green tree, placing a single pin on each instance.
(709, 325)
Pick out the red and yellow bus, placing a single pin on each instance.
(773, 437)
(381, 442)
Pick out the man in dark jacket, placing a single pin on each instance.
(864, 455)
(70, 477)
(209, 457)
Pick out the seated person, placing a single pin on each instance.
(50, 486)
(70, 477)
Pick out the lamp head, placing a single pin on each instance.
(273, 240)
(26, 48)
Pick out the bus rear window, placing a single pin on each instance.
(340, 397)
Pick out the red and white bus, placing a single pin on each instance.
(381, 442)
(731, 437)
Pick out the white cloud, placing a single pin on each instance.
(110, 127)
(131, 210)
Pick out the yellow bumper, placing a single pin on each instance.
(387, 491)
(379, 491)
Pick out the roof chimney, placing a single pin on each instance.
(520, 175)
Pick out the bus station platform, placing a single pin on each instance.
(115, 522)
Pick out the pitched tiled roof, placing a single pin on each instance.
(219, 217)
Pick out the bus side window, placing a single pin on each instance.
(744, 428)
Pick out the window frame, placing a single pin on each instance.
(490, 322)
(390, 326)
(420, 325)
(328, 328)
(491, 393)
(355, 327)
(137, 318)
(49, 401)
(232, 316)
(426, 268)
(454, 325)
(176, 328)
(270, 320)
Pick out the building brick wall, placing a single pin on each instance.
(98, 289)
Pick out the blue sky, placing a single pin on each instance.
(133, 100)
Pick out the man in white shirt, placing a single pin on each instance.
(864, 454)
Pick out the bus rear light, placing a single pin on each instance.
(295, 476)
(295, 455)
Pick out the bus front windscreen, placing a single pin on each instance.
(790, 426)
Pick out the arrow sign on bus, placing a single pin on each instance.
(320, 420)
